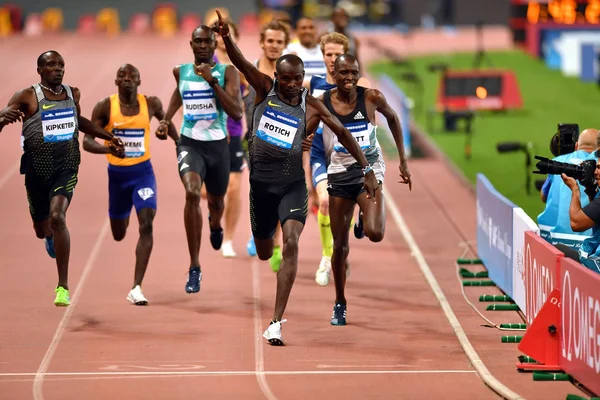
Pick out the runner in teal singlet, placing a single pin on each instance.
(209, 92)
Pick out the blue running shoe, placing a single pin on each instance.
(194, 278)
(251, 247)
(49, 241)
(339, 314)
(359, 232)
(216, 236)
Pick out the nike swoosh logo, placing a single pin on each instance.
(273, 104)
(58, 188)
(47, 106)
(122, 123)
(295, 209)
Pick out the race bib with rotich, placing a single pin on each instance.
(133, 141)
(360, 132)
(277, 128)
(199, 105)
(58, 125)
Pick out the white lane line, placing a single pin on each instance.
(478, 364)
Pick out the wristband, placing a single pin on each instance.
(213, 82)
(367, 169)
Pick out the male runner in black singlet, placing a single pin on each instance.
(52, 119)
(283, 112)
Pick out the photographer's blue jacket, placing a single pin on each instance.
(554, 221)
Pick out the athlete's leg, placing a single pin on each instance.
(233, 203)
(341, 210)
(62, 240)
(233, 200)
(192, 170)
(216, 156)
(39, 208)
(192, 215)
(293, 208)
(144, 244)
(373, 215)
(145, 200)
(275, 260)
(289, 265)
(324, 271)
(263, 219)
(120, 202)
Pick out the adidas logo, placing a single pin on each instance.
(359, 115)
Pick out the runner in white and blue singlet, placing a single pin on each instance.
(355, 107)
(332, 45)
(209, 92)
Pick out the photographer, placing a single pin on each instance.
(554, 223)
(583, 219)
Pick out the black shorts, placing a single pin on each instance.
(209, 159)
(40, 191)
(269, 204)
(236, 154)
(349, 191)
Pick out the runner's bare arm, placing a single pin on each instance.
(157, 111)
(176, 102)
(87, 126)
(100, 117)
(16, 109)
(229, 97)
(261, 83)
(379, 101)
(166, 125)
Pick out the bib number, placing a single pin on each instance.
(133, 141)
(360, 132)
(277, 128)
(199, 105)
(58, 125)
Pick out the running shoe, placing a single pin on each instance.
(275, 260)
(359, 232)
(339, 314)
(324, 272)
(227, 250)
(136, 296)
(49, 242)
(251, 247)
(273, 333)
(216, 236)
(194, 278)
(62, 298)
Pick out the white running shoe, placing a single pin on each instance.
(227, 250)
(273, 333)
(137, 297)
(324, 272)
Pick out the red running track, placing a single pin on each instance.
(398, 343)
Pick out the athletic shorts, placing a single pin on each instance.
(236, 154)
(318, 160)
(350, 184)
(131, 186)
(40, 191)
(209, 159)
(269, 204)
